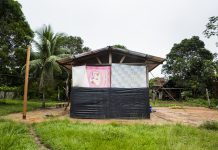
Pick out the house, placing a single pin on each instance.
(110, 83)
(165, 89)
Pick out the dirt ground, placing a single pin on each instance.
(187, 115)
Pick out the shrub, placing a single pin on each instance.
(8, 88)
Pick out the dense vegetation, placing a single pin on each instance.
(46, 77)
(189, 65)
(15, 35)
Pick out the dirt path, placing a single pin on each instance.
(37, 140)
(164, 115)
(187, 115)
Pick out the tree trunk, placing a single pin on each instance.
(194, 93)
(43, 99)
(67, 91)
(58, 93)
(208, 99)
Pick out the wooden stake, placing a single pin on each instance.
(26, 82)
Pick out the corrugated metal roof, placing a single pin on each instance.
(68, 62)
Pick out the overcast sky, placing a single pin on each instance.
(147, 26)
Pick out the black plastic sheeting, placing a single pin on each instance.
(103, 103)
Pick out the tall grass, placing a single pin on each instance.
(15, 136)
(65, 135)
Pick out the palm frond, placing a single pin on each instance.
(62, 50)
(64, 56)
(52, 62)
(50, 48)
(35, 64)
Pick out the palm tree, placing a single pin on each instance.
(48, 50)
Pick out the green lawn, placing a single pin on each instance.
(198, 102)
(65, 135)
(15, 136)
(12, 106)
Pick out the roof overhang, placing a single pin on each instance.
(117, 55)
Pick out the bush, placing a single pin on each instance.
(186, 94)
(8, 88)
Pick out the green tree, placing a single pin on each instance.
(119, 46)
(212, 27)
(190, 65)
(74, 44)
(49, 49)
(15, 35)
(212, 30)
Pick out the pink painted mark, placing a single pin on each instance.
(98, 76)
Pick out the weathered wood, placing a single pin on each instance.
(110, 57)
(122, 59)
(67, 89)
(99, 61)
(147, 76)
(26, 82)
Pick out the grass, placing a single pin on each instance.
(12, 106)
(210, 125)
(65, 135)
(198, 102)
(15, 136)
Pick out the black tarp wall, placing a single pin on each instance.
(103, 103)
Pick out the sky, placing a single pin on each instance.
(147, 26)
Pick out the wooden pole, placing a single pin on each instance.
(26, 82)
(110, 57)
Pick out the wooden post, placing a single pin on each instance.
(147, 76)
(110, 57)
(26, 82)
